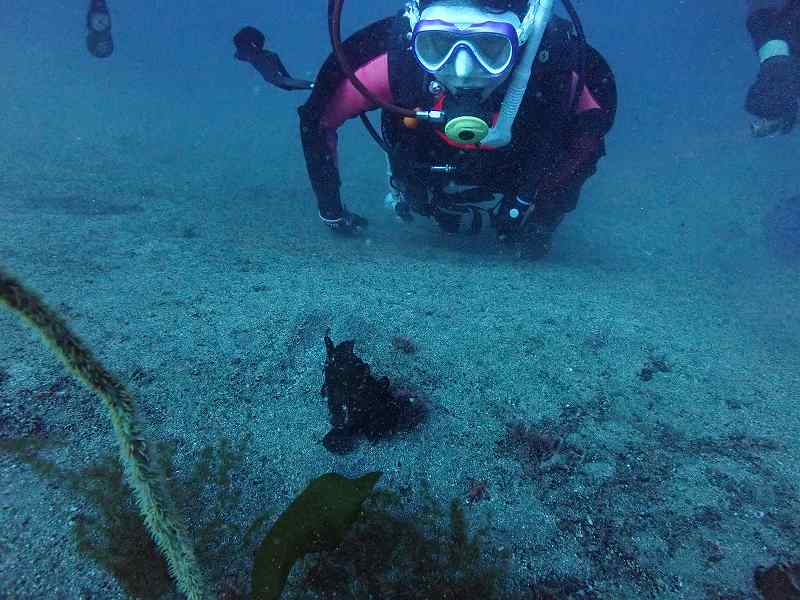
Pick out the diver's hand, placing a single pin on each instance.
(509, 218)
(774, 94)
(532, 234)
(346, 222)
(536, 241)
(249, 44)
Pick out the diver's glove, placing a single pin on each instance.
(536, 239)
(529, 230)
(345, 222)
(775, 92)
(249, 44)
(509, 217)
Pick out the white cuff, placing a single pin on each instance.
(773, 48)
(335, 221)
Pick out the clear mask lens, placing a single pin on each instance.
(494, 52)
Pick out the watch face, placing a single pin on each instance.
(99, 21)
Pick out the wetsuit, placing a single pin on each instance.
(774, 26)
(557, 136)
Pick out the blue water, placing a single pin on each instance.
(158, 199)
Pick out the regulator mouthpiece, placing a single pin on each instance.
(466, 130)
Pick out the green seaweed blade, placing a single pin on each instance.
(316, 520)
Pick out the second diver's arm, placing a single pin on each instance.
(773, 97)
(774, 28)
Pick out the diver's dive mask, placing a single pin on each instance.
(492, 44)
(470, 52)
(466, 47)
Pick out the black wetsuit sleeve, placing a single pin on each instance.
(754, 5)
(600, 82)
(360, 48)
(269, 65)
(767, 22)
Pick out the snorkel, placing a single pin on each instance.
(534, 25)
(533, 28)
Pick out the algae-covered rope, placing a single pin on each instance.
(142, 472)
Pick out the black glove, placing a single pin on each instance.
(509, 217)
(774, 94)
(345, 222)
(537, 241)
(527, 228)
(249, 43)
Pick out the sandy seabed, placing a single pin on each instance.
(658, 342)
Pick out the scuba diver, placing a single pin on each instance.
(98, 21)
(774, 26)
(496, 102)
